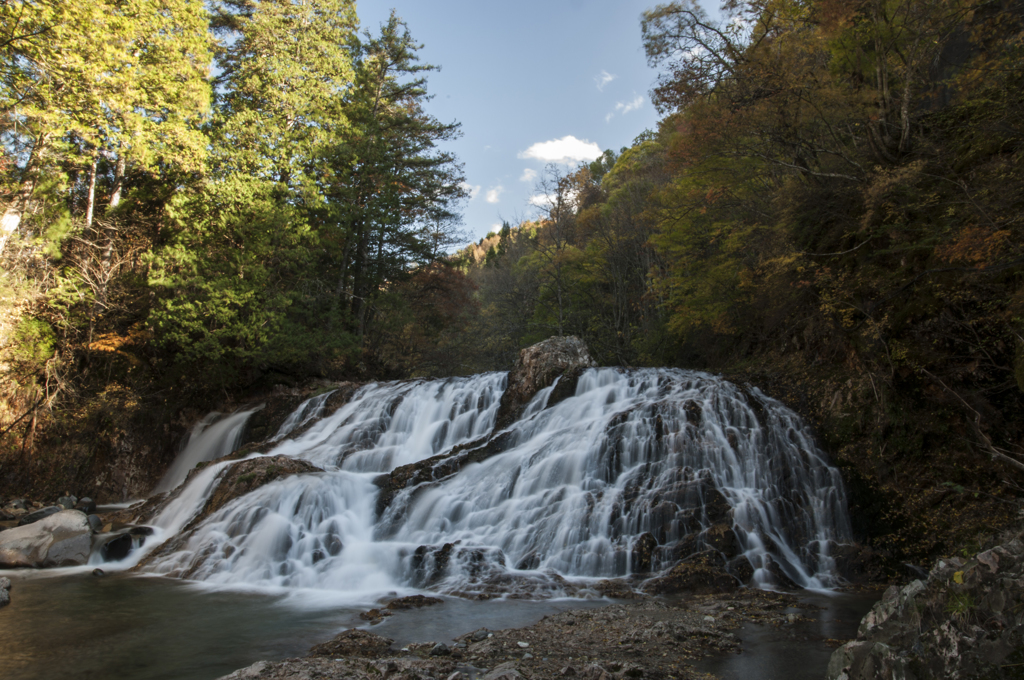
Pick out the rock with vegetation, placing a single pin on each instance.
(963, 621)
(62, 539)
(704, 572)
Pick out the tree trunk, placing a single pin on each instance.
(90, 204)
(119, 168)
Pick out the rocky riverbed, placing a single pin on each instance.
(645, 638)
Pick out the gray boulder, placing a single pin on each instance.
(61, 539)
(37, 515)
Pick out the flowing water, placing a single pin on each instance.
(566, 492)
(214, 436)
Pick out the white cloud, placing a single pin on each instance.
(637, 102)
(603, 79)
(471, 189)
(565, 150)
(543, 200)
(494, 194)
(529, 174)
(625, 107)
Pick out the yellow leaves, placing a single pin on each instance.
(976, 245)
(958, 577)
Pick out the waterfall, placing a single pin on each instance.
(213, 437)
(667, 458)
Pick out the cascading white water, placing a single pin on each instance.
(568, 490)
(311, 409)
(214, 436)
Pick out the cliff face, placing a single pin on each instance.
(117, 445)
(963, 621)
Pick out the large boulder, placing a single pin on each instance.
(538, 367)
(62, 539)
(962, 622)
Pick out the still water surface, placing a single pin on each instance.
(83, 627)
(130, 628)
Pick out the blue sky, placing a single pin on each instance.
(530, 82)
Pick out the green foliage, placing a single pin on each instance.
(34, 342)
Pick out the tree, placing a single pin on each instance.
(392, 191)
(124, 81)
(240, 283)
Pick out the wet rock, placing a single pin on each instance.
(375, 616)
(249, 475)
(67, 502)
(86, 505)
(438, 467)
(480, 635)
(643, 552)
(440, 649)
(37, 515)
(117, 548)
(702, 573)
(414, 602)
(61, 539)
(354, 642)
(95, 523)
(5, 587)
(484, 566)
(537, 367)
(430, 562)
(98, 572)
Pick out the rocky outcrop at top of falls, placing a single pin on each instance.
(966, 620)
(538, 367)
